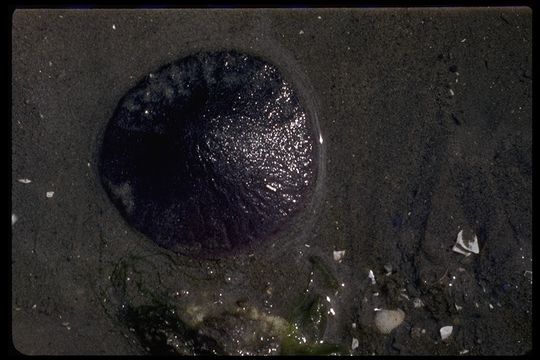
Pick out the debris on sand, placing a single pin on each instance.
(339, 255)
(446, 331)
(388, 269)
(466, 245)
(50, 194)
(388, 320)
(354, 344)
(372, 277)
(24, 181)
(14, 219)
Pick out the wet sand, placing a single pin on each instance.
(427, 126)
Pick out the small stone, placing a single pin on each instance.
(14, 219)
(446, 331)
(388, 320)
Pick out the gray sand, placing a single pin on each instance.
(427, 126)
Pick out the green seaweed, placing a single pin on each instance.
(310, 315)
(307, 328)
(290, 346)
(161, 332)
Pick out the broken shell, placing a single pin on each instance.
(388, 320)
(338, 255)
(466, 245)
(446, 331)
(459, 250)
(372, 277)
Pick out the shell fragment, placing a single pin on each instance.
(466, 246)
(372, 277)
(446, 331)
(338, 255)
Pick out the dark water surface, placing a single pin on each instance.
(211, 154)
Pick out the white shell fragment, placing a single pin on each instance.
(338, 255)
(446, 331)
(14, 219)
(372, 277)
(466, 246)
(464, 351)
(354, 344)
(50, 194)
(460, 251)
(388, 320)
(271, 187)
(24, 181)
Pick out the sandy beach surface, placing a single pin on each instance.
(426, 125)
